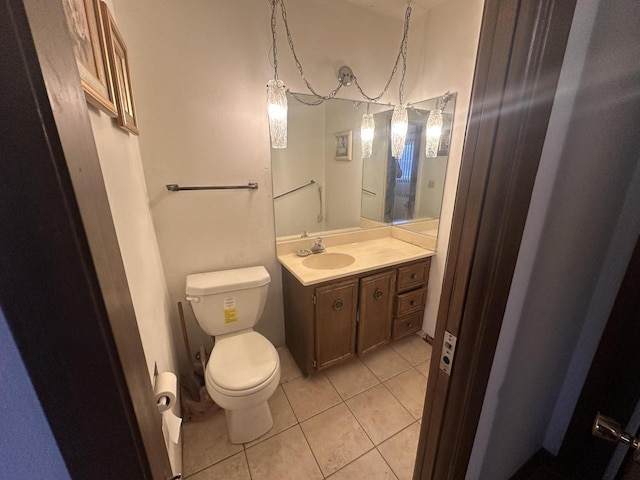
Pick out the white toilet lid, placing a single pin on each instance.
(241, 362)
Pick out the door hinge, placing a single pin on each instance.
(314, 300)
(314, 364)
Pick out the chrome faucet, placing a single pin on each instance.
(318, 247)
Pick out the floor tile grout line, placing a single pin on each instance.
(318, 413)
(355, 395)
(352, 461)
(385, 460)
(358, 421)
(214, 463)
(400, 401)
(246, 459)
(382, 455)
(312, 452)
(397, 400)
(265, 439)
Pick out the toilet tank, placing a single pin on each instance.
(229, 300)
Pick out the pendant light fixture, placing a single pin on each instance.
(399, 126)
(277, 93)
(434, 132)
(400, 119)
(277, 110)
(434, 126)
(367, 129)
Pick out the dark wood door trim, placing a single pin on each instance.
(63, 287)
(520, 55)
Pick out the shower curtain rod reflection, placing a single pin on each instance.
(311, 182)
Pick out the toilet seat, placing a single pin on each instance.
(242, 364)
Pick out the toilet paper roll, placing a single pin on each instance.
(165, 390)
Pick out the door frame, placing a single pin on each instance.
(520, 54)
(63, 287)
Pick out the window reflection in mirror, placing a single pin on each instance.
(318, 192)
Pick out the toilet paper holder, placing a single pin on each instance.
(163, 403)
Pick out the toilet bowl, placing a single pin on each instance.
(243, 370)
(242, 374)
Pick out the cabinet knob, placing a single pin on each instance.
(414, 276)
(378, 294)
(409, 325)
(338, 304)
(412, 303)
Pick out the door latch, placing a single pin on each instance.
(609, 430)
(448, 352)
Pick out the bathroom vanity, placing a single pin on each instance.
(333, 314)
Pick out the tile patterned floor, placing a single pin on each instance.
(357, 420)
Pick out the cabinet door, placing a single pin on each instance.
(376, 311)
(335, 315)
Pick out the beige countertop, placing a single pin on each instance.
(369, 255)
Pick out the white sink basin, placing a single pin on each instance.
(328, 261)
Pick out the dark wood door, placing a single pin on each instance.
(63, 288)
(335, 316)
(376, 311)
(612, 385)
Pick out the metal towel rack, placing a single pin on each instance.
(173, 187)
(311, 182)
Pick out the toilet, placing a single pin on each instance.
(244, 368)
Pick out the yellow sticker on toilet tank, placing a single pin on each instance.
(230, 315)
(230, 311)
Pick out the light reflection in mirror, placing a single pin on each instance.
(349, 192)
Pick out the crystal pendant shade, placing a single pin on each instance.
(434, 131)
(366, 134)
(277, 110)
(399, 125)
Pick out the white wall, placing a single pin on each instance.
(123, 175)
(199, 72)
(444, 50)
(580, 232)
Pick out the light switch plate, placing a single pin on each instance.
(448, 352)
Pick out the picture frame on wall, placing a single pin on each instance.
(120, 74)
(86, 29)
(342, 144)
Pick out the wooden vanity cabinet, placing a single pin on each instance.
(333, 321)
(336, 308)
(375, 312)
(411, 298)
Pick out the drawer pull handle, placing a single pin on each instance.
(412, 303)
(414, 276)
(378, 294)
(409, 325)
(338, 304)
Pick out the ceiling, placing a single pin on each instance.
(396, 8)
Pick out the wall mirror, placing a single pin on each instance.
(322, 185)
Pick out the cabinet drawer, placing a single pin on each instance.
(406, 325)
(415, 275)
(410, 302)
